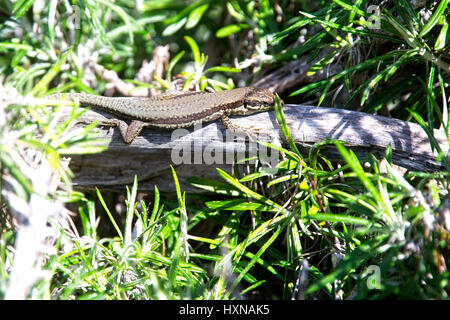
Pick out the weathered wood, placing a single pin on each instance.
(151, 154)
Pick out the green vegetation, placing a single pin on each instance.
(361, 229)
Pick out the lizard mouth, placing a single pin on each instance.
(258, 105)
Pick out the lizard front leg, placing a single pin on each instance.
(229, 125)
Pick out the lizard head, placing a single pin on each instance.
(258, 99)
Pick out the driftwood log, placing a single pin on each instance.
(151, 154)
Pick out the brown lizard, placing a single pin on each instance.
(175, 111)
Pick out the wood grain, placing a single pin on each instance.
(151, 154)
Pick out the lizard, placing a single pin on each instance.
(174, 111)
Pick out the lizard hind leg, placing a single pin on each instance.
(131, 131)
(127, 131)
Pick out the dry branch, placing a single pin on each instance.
(151, 154)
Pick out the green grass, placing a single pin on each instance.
(366, 229)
